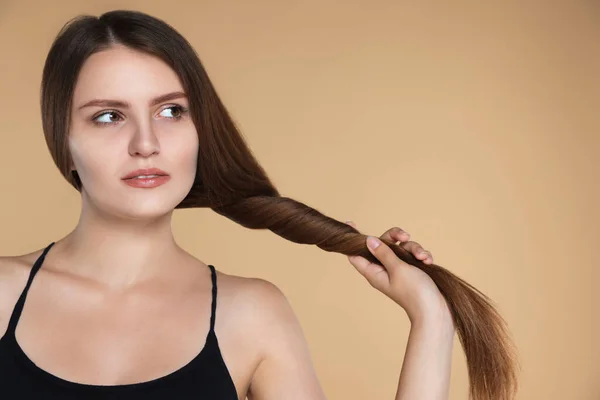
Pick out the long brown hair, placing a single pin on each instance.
(231, 182)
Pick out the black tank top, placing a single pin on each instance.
(205, 377)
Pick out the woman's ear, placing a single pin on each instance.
(72, 169)
(71, 165)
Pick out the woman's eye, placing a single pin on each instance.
(112, 117)
(109, 117)
(174, 112)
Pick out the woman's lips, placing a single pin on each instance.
(147, 182)
(145, 172)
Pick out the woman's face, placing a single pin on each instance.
(129, 112)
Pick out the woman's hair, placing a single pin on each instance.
(231, 182)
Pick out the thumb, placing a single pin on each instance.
(365, 267)
(375, 274)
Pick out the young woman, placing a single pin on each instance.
(117, 310)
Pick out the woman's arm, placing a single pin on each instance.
(428, 358)
(427, 363)
(286, 370)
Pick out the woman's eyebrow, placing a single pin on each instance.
(124, 104)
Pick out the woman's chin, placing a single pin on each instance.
(138, 205)
(144, 213)
(136, 211)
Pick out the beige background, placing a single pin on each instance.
(474, 127)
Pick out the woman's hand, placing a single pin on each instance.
(411, 288)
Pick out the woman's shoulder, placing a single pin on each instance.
(250, 291)
(14, 271)
(230, 282)
(267, 332)
(16, 268)
(255, 317)
(254, 301)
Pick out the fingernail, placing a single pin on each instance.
(372, 242)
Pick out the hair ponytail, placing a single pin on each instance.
(491, 356)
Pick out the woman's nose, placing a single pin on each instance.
(144, 142)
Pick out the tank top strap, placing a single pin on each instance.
(213, 310)
(16, 314)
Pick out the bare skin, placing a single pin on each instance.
(118, 291)
(124, 327)
(70, 323)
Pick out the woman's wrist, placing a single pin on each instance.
(436, 316)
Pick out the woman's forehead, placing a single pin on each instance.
(121, 73)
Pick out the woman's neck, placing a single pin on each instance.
(117, 252)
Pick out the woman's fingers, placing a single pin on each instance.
(351, 223)
(418, 251)
(396, 235)
(400, 236)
